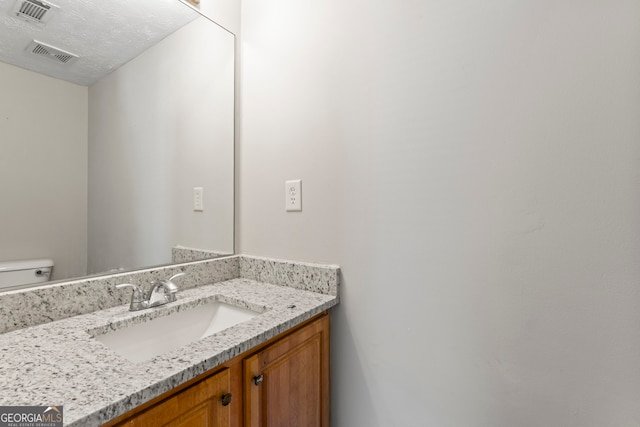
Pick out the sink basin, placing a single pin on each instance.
(160, 335)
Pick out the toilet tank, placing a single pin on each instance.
(24, 272)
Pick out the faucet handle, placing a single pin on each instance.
(174, 276)
(137, 297)
(170, 286)
(137, 292)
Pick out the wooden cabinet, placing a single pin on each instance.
(287, 383)
(281, 383)
(204, 404)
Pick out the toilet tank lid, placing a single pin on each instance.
(26, 264)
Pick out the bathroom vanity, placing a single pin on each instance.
(284, 381)
(273, 367)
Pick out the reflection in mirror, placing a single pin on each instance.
(111, 115)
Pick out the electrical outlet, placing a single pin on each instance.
(198, 202)
(293, 195)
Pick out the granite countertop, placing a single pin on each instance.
(59, 363)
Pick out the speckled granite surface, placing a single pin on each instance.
(183, 254)
(299, 275)
(58, 363)
(55, 360)
(29, 307)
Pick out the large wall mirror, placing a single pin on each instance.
(116, 134)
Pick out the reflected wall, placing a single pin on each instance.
(158, 128)
(43, 170)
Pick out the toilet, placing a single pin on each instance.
(13, 273)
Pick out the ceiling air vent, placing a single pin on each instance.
(59, 55)
(34, 10)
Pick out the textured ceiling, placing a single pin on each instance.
(104, 34)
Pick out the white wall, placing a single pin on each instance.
(474, 167)
(158, 127)
(224, 12)
(43, 170)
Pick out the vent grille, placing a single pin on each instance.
(34, 10)
(59, 55)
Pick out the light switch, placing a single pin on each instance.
(293, 195)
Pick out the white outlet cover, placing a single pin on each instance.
(198, 199)
(293, 195)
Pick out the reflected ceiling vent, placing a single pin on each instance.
(37, 11)
(59, 55)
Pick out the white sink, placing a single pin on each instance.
(160, 335)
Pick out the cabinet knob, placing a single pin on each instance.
(226, 399)
(257, 380)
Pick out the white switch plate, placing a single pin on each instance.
(293, 195)
(198, 203)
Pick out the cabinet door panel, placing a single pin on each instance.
(197, 406)
(295, 380)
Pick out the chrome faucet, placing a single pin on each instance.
(161, 292)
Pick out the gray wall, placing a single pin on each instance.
(43, 170)
(159, 126)
(224, 12)
(474, 169)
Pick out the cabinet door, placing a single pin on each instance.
(287, 383)
(204, 404)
